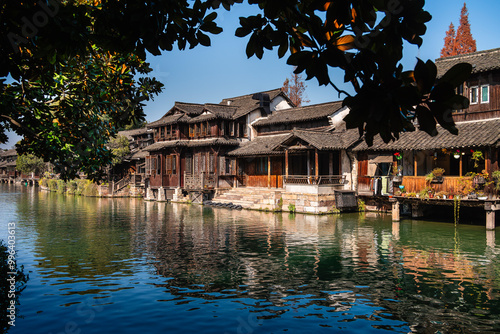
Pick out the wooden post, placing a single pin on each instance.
(269, 171)
(235, 172)
(286, 163)
(316, 163)
(461, 165)
(487, 161)
(330, 163)
(178, 168)
(308, 163)
(395, 210)
(415, 165)
(216, 169)
(490, 207)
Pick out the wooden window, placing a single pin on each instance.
(169, 131)
(222, 128)
(261, 166)
(202, 129)
(189, 164)
(211, 163)
(168, 164)
(158, 165)
(196, 130)
(232, 129)
(485, 94)
(196, 164)
(203, 167)
(191, 130)
(222, 166)
(162, 132)
(174, 164)
(148, 166)
(474, 95)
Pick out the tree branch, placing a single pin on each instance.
(340, 91)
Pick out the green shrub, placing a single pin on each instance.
(90, 189)
(52, 184)
(61, 186)
(291, 208)
(72, 186)
(361, 205)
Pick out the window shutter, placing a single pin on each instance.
(211, 163)
(222, 166)
(203, 163)
(169, 164)
(196, 164)
(189, 164)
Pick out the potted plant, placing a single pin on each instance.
(396, 174)
(456, 154)
(437, 175)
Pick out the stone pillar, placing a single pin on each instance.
(395, 210)
(161, 195)
(490, 208)
(177, 195)
(490, 239)
(395, 230)
(149, 194)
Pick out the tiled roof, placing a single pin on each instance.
(245, 104)
(470, 134)
(191, 143)
(168, 119)
(335, 140)
(189, 108)
(481, 61)
(294, 115)
(261, 145)
(130, 133)
(8, 153)
(221, 111)
(139, 154)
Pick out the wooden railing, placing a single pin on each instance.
(198, 182)
(117, 186)
(451, 184)
(314, 180)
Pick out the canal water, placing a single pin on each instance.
(130, 266)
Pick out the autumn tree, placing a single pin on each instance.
(449, 43)
(295, 88)
(462, 42)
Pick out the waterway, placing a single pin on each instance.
(130, 266)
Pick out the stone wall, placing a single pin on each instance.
(309, 203)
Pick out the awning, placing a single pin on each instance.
(381, 159)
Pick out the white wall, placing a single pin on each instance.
(279, 103)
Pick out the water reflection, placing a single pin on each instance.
(275, 271)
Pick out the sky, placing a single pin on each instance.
(210, 74)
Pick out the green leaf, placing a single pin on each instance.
(203, 39)
(426, 120)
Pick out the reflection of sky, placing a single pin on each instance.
(97, 262)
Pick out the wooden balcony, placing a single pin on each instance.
(199, 182)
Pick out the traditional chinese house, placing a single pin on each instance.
(191, 142)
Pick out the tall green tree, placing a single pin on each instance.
(29, 163)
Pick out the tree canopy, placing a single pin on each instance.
(74, 65)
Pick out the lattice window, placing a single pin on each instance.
(211, 163)
(189, 164)
(222, 166)
(168, 164)
(196, 165)
(203, 167)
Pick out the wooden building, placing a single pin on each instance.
(483, 86)
(191, 141)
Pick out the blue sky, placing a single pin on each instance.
(207, 75)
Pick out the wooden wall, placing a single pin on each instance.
(482, 110)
